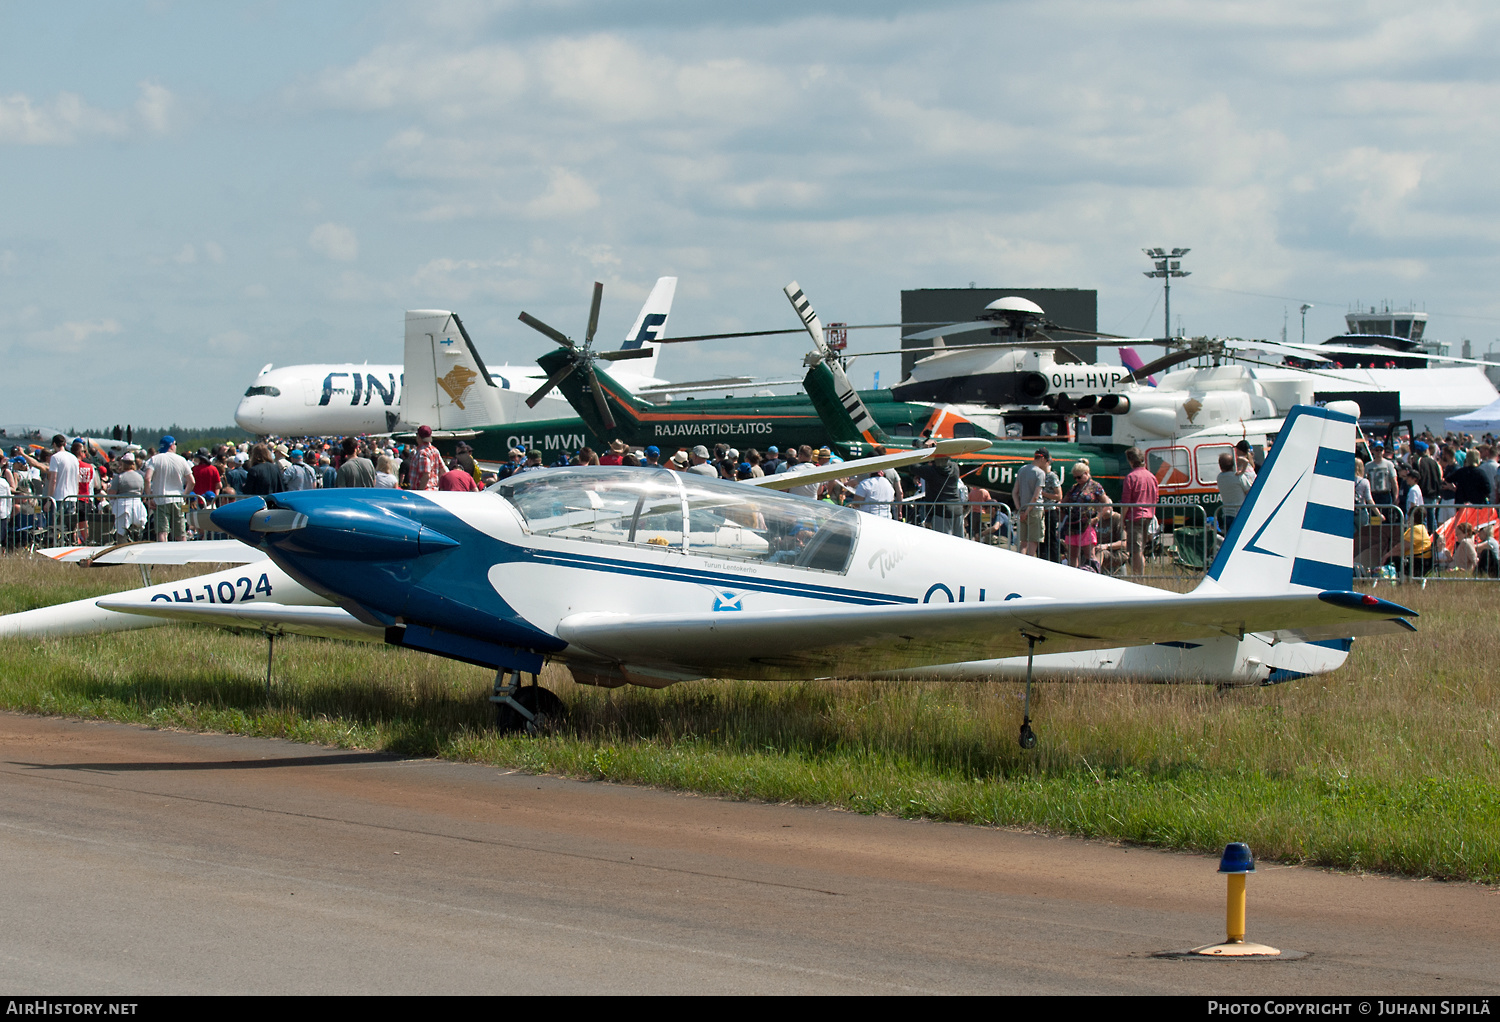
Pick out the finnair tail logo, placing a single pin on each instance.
(650, 329)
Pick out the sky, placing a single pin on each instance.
(196, 190)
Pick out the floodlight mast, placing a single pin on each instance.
(1168, 265)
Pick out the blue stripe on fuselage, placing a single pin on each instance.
(675, 573)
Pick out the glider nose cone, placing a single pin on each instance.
(235, 519)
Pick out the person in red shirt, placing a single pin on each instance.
(1139, 490)
(617, 449)
(206, 479)
(427, 464)
(457, 479)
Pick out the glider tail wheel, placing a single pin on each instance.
(530, 709)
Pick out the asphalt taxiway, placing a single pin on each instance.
(144, 862)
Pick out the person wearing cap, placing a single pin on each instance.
(427, 465)
(514, 460)
(168, 478)
(770, 462)
(125, 492)
(463, 458)
(653, 457)
(1381, 472)
(617, 449)
(298, 475)
(206, 478)
(533, 462)
(698, 462)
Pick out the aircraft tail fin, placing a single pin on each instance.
(651, 324)
(1131, 359)
(838, 404)
(1295, 530)
(446, 383)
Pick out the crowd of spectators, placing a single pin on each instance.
(1415, 490)
(136, 493)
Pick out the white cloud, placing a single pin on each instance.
(334, 241)
(186, 255)
(62, 120)
(155, 108)
(66, 119)
(567, 194)
(73, 337)
(213, 251)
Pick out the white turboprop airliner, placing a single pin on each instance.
(353, 399)
(649, 577)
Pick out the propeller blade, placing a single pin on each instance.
(615, 356)
(599, 401)
(536, 324)
(552, 381)
(588, 338)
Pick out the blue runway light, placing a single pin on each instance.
(1237, 859)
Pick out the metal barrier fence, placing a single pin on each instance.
(1425, 544)
(1175, 540)
(29, 522)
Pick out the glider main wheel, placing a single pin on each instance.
(540, 702)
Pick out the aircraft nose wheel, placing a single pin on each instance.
(530, 709)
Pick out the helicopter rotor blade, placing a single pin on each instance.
(615, 356)
(588, 338)
(552, 381)
(538, 325)
(599, 401)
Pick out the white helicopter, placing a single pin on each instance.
(651, 577)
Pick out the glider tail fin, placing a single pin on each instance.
(651, 325)
(1295, 530)
(446, 383)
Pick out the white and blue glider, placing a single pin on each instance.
(648, 577)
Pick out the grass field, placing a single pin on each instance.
(1390, 764)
